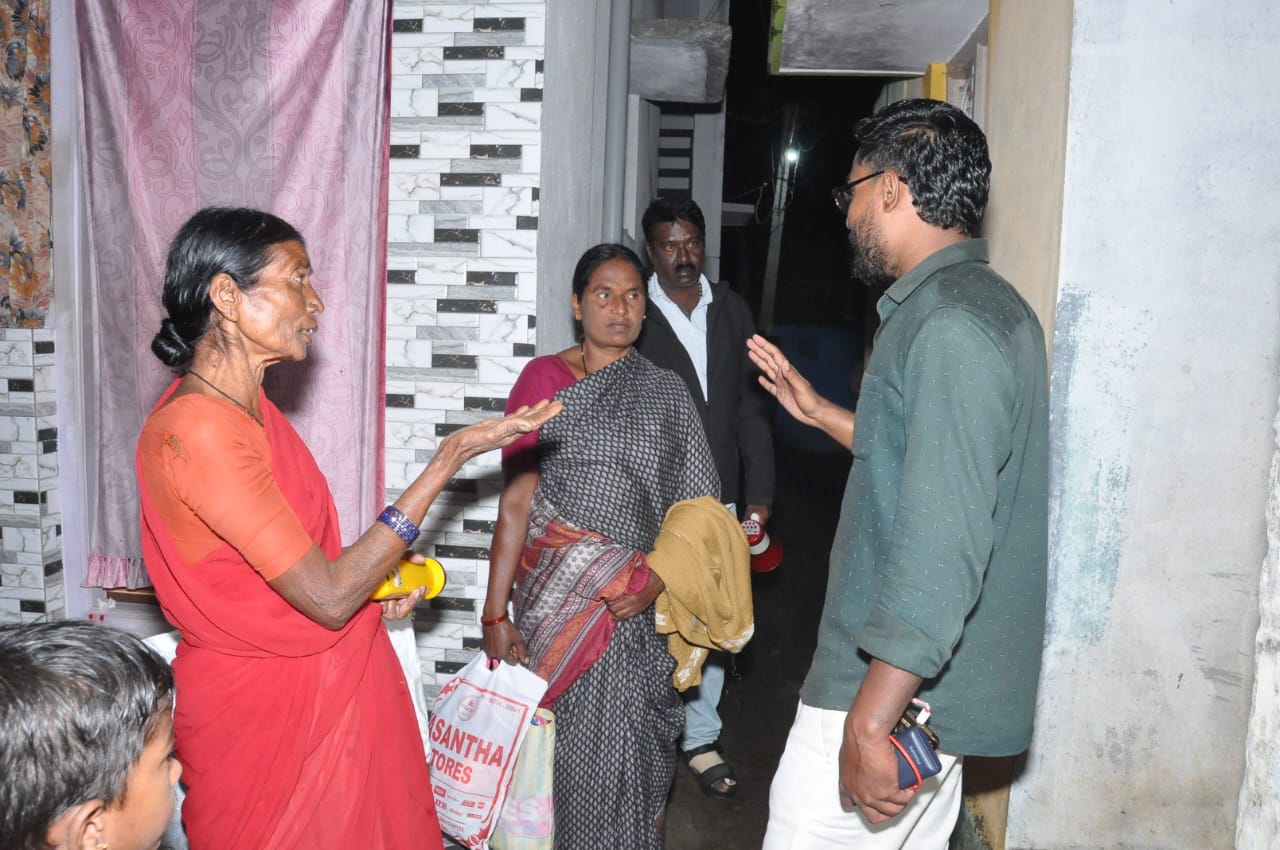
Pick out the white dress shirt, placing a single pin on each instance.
(691, 330)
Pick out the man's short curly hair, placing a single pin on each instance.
(939, 152)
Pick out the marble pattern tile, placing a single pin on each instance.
(19, 472)
(523, 180)
(22, 539)
(452, 208)
(467, 320)
(446, 17)
(447, 333)
(16, 353)
(403, 82)
(407, 352)
(410, 228)
(55, 596)
(466, 66)
(408, 307)
(486, 166)
(455, 95)
(531, 161)
(503, 330)
(403, 206)
(511, 74)
(532, 52)
(417, 60)
(505, 137)
(439, 395)
(17, 428)
(412, 101)
(497, 222)
(463, 193)
(472, 39)
(509, 243)
(454, 323)
(497, 369)
(407, 40)
(447, 636)
(441, 270)
(496, 95)
(453, 81)
(535, 31)
(448, 145)
(443, 249)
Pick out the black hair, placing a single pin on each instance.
(217, 240)
(938, 151)
(594, 258)
(668, 211)
(78, 703)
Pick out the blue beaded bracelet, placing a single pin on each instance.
(394, 519)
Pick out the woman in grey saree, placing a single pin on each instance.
(580, 508)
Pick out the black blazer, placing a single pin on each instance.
(738, 417)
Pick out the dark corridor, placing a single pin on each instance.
(760, 702)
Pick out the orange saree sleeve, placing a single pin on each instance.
(208, 468)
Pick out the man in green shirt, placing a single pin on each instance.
(937, 576)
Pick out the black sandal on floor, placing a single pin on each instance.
(710, 769)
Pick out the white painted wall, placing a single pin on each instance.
(1165, 388)
(570, 204)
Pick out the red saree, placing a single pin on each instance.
(290, 735)
(563, 575)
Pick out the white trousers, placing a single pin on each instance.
(804, 800)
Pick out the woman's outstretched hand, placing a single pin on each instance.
(489, 434)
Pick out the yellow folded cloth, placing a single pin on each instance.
(701, 555)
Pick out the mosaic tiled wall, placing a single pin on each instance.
(466, 92)
(30, 556)
(30, 532)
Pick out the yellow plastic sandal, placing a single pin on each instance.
(406, 577)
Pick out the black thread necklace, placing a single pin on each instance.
(247, 412)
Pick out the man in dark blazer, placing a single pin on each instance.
(699, 330)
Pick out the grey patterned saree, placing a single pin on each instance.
(627, 446)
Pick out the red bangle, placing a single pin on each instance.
(495, 621)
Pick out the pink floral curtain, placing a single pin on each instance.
(25, 165)
(276, 104)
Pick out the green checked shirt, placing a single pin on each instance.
(938, 564)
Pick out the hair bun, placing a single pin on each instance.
(170, 346)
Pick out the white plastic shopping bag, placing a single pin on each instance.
(478, 722)
(528, 819)
(405, 642)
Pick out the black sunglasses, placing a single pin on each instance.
(843, 195)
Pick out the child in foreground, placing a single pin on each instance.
(86, 739)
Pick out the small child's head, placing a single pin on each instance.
(86, 739)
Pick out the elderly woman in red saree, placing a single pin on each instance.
(582, 504)
(294, 726)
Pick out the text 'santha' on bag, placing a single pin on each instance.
(479, 720)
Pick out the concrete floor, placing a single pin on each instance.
(760, 702)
